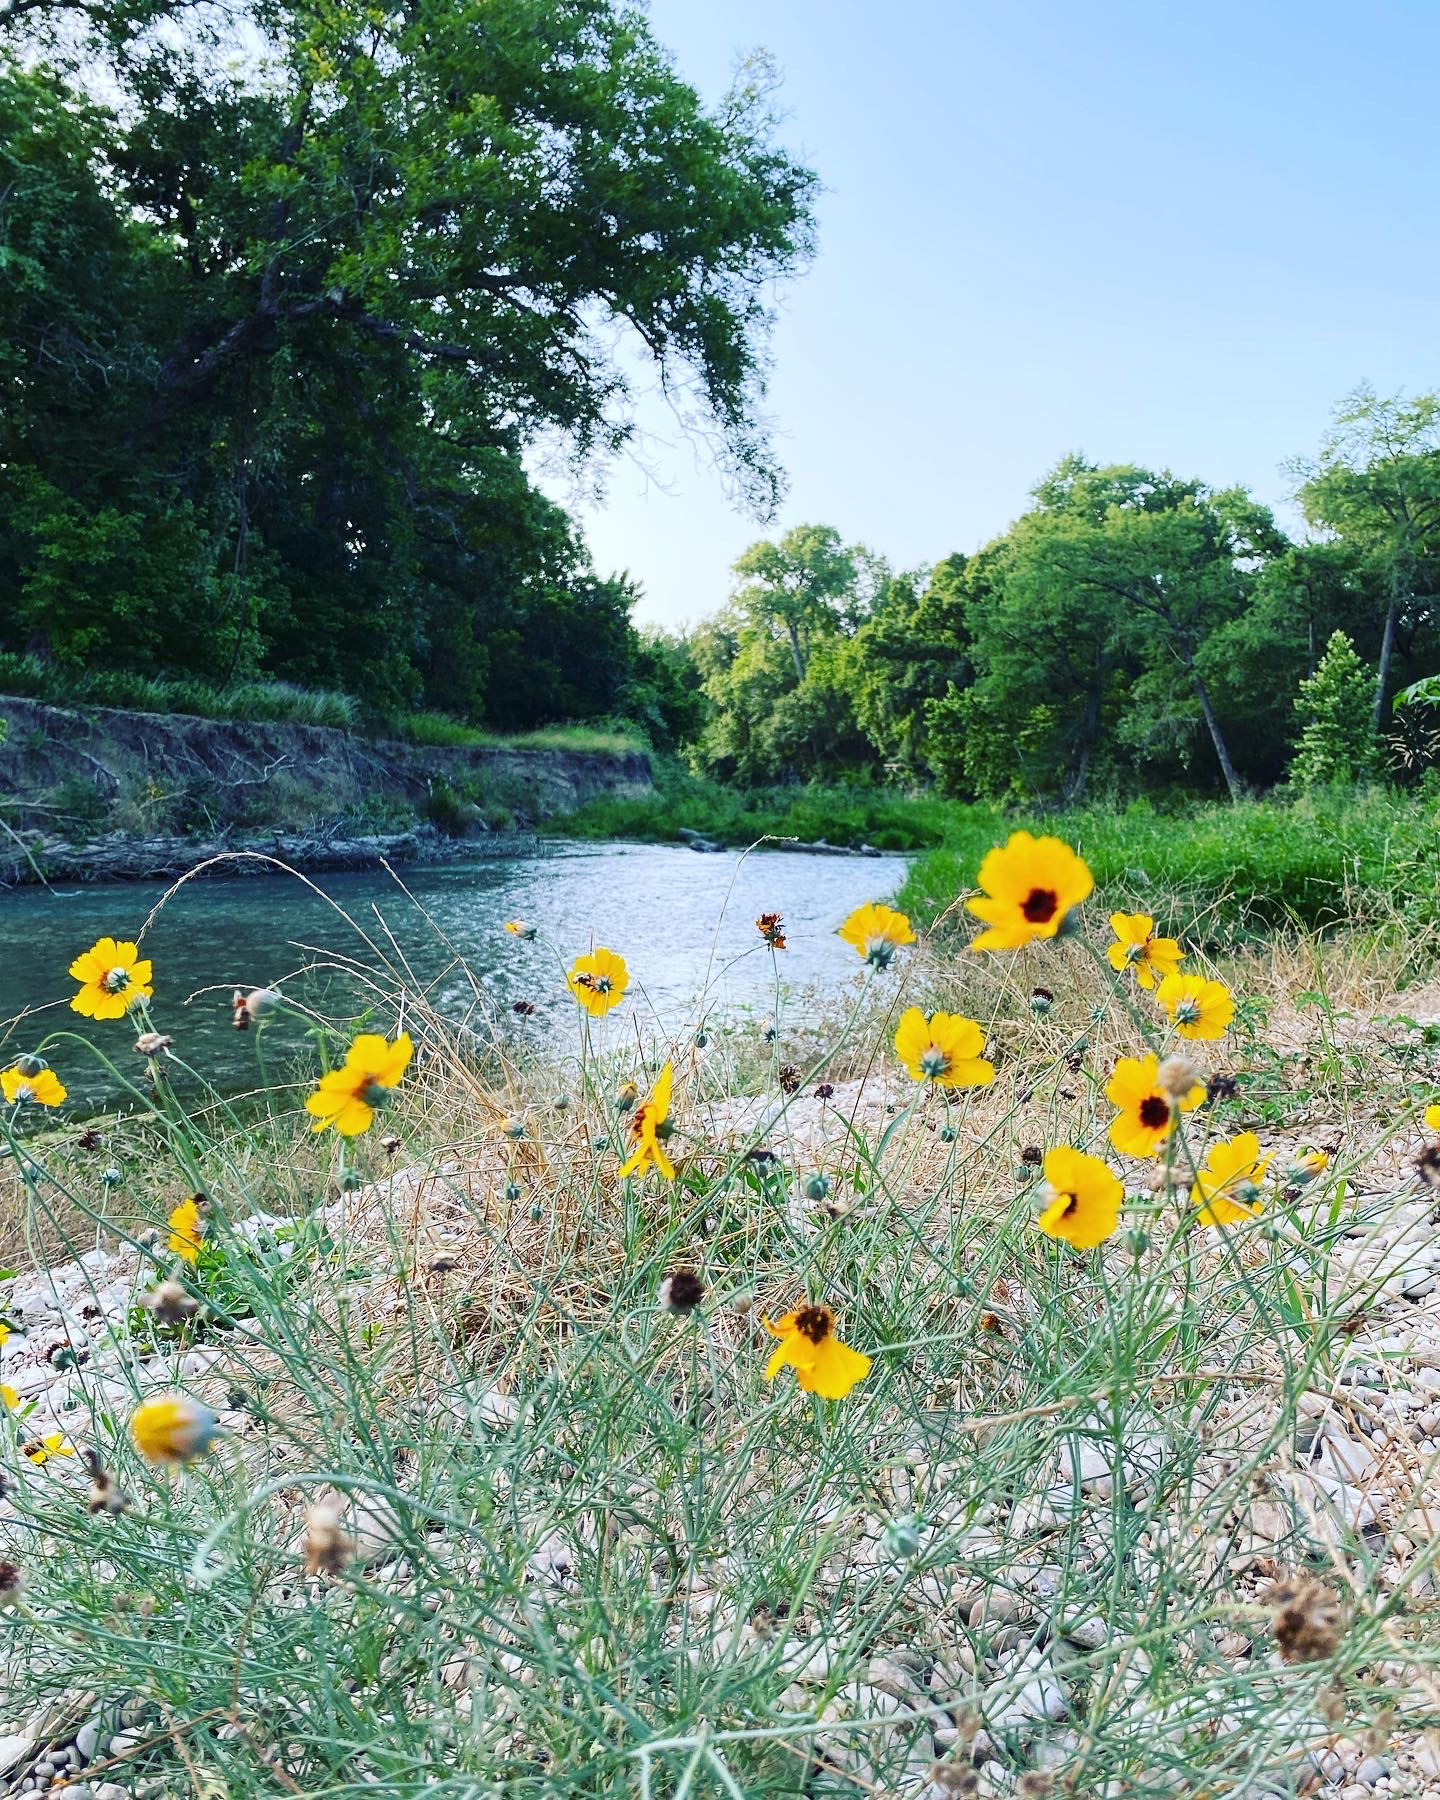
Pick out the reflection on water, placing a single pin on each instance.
(680, 919)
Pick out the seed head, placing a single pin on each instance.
(1306, 1619)
(825, 1091)
(105, 1496)
(789, 1078)
(681, 1291)
(327, 1545)
(171, 1303)
(1041, 1000)
(1221, 1086)
(152, 1043)
(12, 1586)
(1176, 1076)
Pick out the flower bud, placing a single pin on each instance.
(1041, 1000)
(326, 1544)
(29, 1066)
(901, 1538)
(817, 1186)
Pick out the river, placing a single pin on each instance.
(679, 918)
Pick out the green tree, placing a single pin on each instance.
(276, 341)
(1337, 742)
(1376, 486)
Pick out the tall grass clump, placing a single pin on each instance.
(912, 1395)
(278, 701)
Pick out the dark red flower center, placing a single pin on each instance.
(814, 1322)
(1040, 905)
(1154, 1112)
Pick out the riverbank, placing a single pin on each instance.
(103, 794)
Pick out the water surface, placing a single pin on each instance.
(680, 919)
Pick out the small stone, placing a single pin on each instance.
(1371, 1770)
(87, 1740)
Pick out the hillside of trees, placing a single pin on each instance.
(293, 297)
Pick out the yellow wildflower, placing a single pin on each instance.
(1082, 1198)
(520, 928)
(1227, 1187)
(944, 1048)
(172, 1428)
(40, 1088)
(1146, 1108)
(809, 1346)
(876, 933)
(1029, 887)
(1432, 1116)
(645, 1130)
(186, 1229)
(8, 1396)
(347, 1097)
(40, 1450)
(598, 980)
(1198, 1008)
(112, 979)
(1136, 947)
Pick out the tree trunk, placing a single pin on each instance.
(795, 650)
(1387, 656)
(1217, 737)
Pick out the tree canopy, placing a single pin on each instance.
(281, 323)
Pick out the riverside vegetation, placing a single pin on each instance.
(1018, 1374)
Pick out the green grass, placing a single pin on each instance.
(441, 730)
(1308, 860)
(1225, 868)
(850, 816)
(29, 677)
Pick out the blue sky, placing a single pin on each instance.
(1160, 233)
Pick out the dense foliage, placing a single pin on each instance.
(1130, 631)
(281, 324)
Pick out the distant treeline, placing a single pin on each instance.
(1130, 632)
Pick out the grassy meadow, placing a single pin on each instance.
(442, 1457)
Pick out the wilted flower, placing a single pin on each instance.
(681, 1291)
(1081, 1198)
(1227, 1187)
(1145, 1108)
(112, 978)
(523, 1009)
(598, 980)
(171, 1429)
(1028, 889)
(789, 1078)
(1198, 1008)
(1136, 947)
(1306, 1619)
(1041, 1000)
(105, 1496)
(152, 1043)
(29, 1083)
(12, 1586)
(187, 1228)
(771, 927)
(825, 1091)
(876, 933)
(347, 1097)
(647, 1130)
(514, 1129)
(808, 1344)
(327, 1545)
(1178, 1077)
(390, 1144)
(1221, 1086)
(944, 1048)
(521, 929)
(171, 1303)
